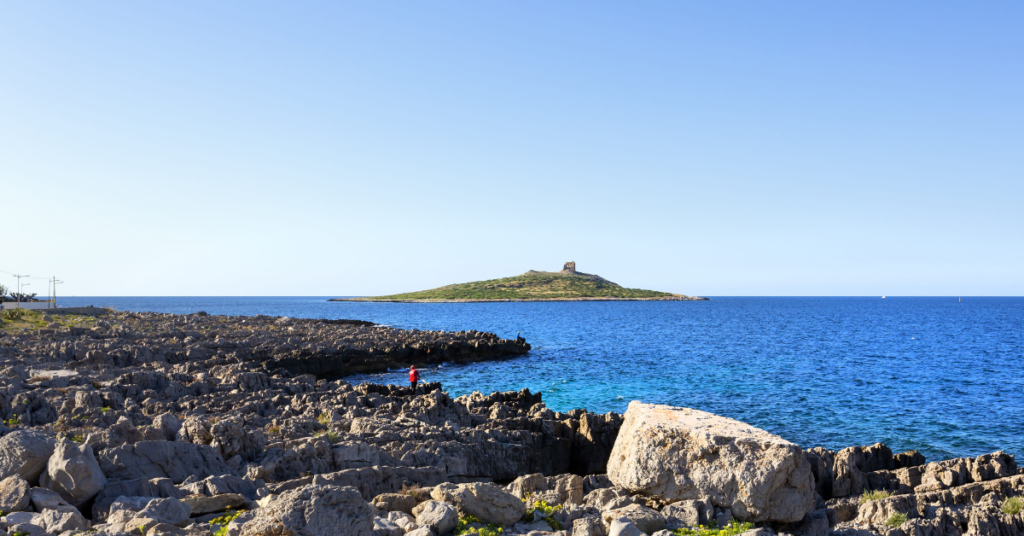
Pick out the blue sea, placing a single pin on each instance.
(933, 374)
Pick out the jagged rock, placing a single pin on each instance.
(14, 494)
(568, 487)
(19, 518)
(528, 484)
(588, 526)
(383, 527)
(688, 513)
(167, 510)
(162, 459)
(372, 481)
(439, 517)
(201, 504)
(45, 499)
(29, 529)
(236, 524)
(681, 453)
(852, 462)
(484, 501)
(405, 521)
(624, 527)
(73, 473)
(608, 499)
(25, 453)
(56, 522)
(394, 502)
(592, 482)
(822, 460)
(141, 487)
(568, 514)
(313, 511)
(645, 519)
(229, 436)
(124, 509)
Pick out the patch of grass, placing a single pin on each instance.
(332, 436)
(223, 522)
(12, 422)
(543, 507)
(896, 520)
(324, 419)
(546, 510)
(490, 529)
(274, 430)
(16, 319)
(874, 495)
(732, 529)
(1012, 506)
(104, 409)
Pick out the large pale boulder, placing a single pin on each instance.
(24, 453)
(313, 510)
(440, 517)
(482, 500)
(686, 454)
(74, 473)
(14, 494)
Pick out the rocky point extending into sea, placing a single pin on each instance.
(159, 424)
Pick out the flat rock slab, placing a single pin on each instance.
(686, 454)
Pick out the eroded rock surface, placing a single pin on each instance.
(167, 425)
(686, 454)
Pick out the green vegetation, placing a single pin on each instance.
(732, 529)
(1012, 506)
(223, 521)
(546, 512)
(896, 520)
(529, 286)
(12, 422)
(874, 495)
(332, 436)
(472, 525)
(18, 319)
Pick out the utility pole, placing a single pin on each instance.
(55, 283)
(19, 287)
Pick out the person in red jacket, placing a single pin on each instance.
(414, 376)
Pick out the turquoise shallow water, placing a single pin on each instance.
(915, 373)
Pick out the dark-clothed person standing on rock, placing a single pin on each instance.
(414, 376)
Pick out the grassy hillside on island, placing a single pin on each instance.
(533, 286)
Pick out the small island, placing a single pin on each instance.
(566, 285)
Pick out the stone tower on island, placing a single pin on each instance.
(569, 268)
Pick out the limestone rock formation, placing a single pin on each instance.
(439, 517)
(73, 473)
(685, 454)
(14, 494)
(484, 501)
(313, 511)
(25, 453)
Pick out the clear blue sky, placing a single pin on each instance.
(329, 148)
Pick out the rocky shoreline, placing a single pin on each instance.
(151, 424)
